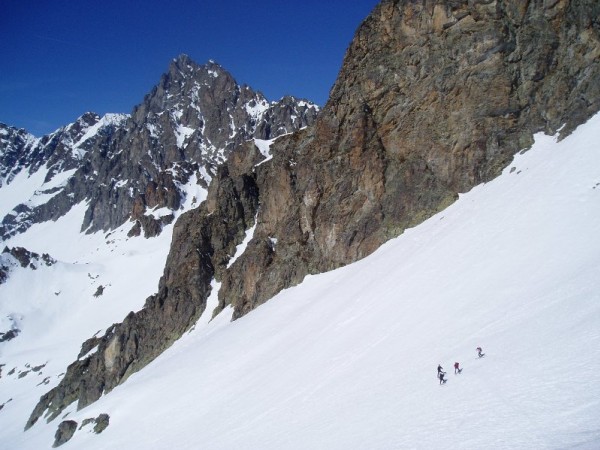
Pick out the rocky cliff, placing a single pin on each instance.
(433, 98)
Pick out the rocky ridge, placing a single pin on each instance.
(433, 98)
(56, 157)
(57, 152)
(126, 166)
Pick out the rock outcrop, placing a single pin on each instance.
(9, 335)
(11, 258)
(100, 423)
(433, 98)
(64, 433)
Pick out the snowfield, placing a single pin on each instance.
(347, 359)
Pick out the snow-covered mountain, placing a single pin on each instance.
(57, 152)
(124, 175)
(347, 359)
(33, 170)
(124, 166)
(393, 231)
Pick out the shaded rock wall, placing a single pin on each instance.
(434, 97)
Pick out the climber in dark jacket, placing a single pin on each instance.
(441, 377)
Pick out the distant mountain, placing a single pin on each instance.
(123, 166)
(57, 152)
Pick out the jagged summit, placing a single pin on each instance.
(126, 165)
(184, 67)
(184, 60)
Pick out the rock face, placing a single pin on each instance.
(19, 256)
(127, 165)
(433, 98)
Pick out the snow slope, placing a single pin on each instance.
(347, 359)
(56, 308)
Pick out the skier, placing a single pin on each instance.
(456, 368)
(480, 352)
(441, 374)
(441, 377)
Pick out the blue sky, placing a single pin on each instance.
(63, 58)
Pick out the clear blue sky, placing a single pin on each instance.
(62, 58)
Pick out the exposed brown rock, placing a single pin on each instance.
(136, 229)
(433, 98)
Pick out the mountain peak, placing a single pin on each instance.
(87, 119)
(183, 68)
(182, 64)
(186, 66)
(212, 64)
(196, 114)
(183, 58)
